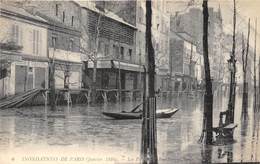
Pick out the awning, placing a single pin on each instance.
(116, 64)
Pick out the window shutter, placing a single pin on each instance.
(21, 36)
(34, 51)
(40, 43)
(37, 42)
(17, 34)
(13, 33)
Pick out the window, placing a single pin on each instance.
(36, 42)
(130, 54)
(116, 51)
(30, 70)
(141, 15)
(106, 49)
(122, 52)
(57, 9)
(101, 47)
(63, 16)
(15, 34)
(72, 20)
(54, 42)
(71, 45)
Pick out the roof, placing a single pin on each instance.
(19, 12)
(53, 22)
(185, 36)
(106, 13)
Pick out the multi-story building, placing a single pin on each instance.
(160, 39)
(23, 54)
(191, 22)
(114, 40)
(186, 63)
(63, 39)
(133, 12)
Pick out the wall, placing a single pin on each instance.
(48, 8)
(25, 36)
(33, 39)
(112, 33)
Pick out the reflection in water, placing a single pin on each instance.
(86, 132)
(206, 154)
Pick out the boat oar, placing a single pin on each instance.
(135, 108)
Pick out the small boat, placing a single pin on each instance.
(161, 113)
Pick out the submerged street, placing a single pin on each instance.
(84, 135)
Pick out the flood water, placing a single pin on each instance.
(84, 135)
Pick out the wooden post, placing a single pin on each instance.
(208, 97)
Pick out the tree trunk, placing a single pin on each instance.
(255, 67)
(259, 84)
(52, 85)
(244, 64)
(208, 97)
(190, 68)
(25, 78)
(232, 93)
(245, 95)
(94, 81)
(149, 151)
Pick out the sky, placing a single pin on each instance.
(245, 9)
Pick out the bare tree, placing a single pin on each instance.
(149, 148)
(255, 67)
(91, 53)
(244, 63)
(232, 62)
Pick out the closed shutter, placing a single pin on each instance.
(37, 42)
(21, 36)
(40, 44)
(34, 48)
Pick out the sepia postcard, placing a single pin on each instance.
(129, 81)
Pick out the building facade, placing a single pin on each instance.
(113, 41)
(64, 23)
(191, 22)
(186, 63)
(24, 60)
